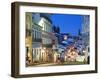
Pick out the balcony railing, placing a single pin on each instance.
(47, 45)
(37, 40)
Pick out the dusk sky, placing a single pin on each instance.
(68, 23)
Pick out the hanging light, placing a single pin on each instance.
(65, 37)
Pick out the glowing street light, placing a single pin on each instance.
(43, 50)
(65, 37)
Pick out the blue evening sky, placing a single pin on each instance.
(68, 23)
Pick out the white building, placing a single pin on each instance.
(85, 30)
(36, 38)
(46, 24)
(86, 35)
(42, 36)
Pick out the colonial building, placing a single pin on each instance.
(48, 37)
(40, 39)
(85, 36)
(85, 30)
(28, 38)
(46, 24)
(36, 38)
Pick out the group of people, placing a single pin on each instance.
(71, 54)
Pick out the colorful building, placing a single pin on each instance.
(36, 38)
(85, 30)
(28, 38)
(47, 36)
(40, 40)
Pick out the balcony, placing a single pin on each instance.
(47, 45)
(37, 40)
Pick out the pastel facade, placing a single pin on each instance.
(41, 37)
(28, 39)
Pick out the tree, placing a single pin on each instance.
(79, 32)
(58, 29)
(54, 29)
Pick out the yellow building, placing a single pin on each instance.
(39, 38)
(28, 38)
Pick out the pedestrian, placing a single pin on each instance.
(58, 59)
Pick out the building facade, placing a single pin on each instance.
(86, 36)
(36, 38)
(28, 38)
(85, 30)
(48, 38)
(40, 40)
(46, 30)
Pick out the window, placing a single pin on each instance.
(39, 35)
(34, 34)
(27, 49)
(28, 32)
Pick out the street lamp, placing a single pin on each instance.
(65, 37)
